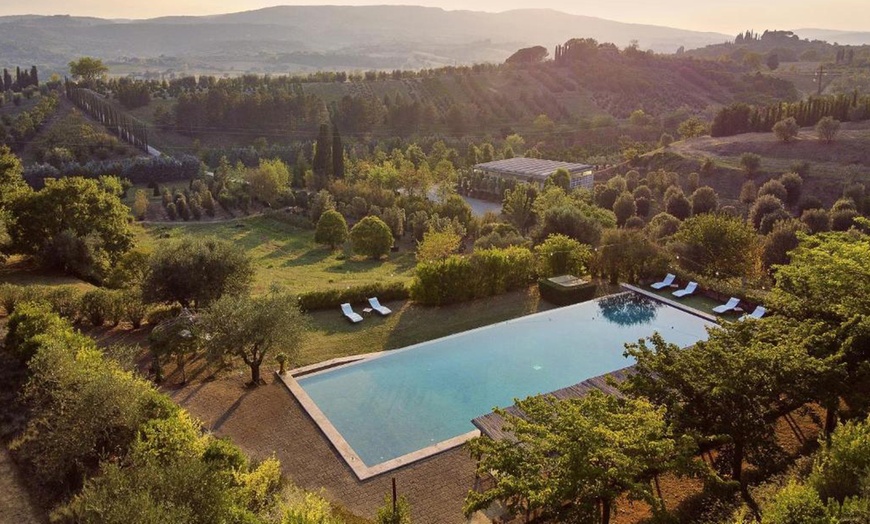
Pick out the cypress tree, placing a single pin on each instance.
(322, 156)
(337, 154)
(34, 77)
(17, 78)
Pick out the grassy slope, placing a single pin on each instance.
(831, 165)
(288, 256)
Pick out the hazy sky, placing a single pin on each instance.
(728, 16)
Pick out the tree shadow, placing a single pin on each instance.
(232, 409)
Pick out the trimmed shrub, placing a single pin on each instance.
(333, 298)
(99, 305)
(331, 229)
(30, 320)
(484, 273)
(371, 237)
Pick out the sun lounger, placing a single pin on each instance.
(350, 313)
(669, 279)
(758, 313)
(376, 305)
(728, 306)
(680, 293)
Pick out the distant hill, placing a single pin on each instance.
(299, 38)
(839, 37)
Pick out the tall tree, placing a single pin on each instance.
(586, 452)
(518, 206)
(323, 154)
(34, 76)
(87, 69)
(337, 154)
(251, 328)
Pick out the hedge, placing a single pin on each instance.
(138, 170)
(482, 274)
(333, 298)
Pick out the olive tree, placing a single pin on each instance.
(252, 327)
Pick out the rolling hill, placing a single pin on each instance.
(299, 38)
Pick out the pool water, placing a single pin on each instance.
(409, 399)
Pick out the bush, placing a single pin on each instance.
(751, 163)
(793, 184)
(331, 229)
(10, 295)
(816, 220)
(704, 200)
(796, 504)
(30, 320)
(161, 313)
(764, 206)
(371, 237)
(100, 305)
(333, 298)
(401, 515)
(748, 192)
(775, 188)
(786, 129)
(483, 273)
(561, 255)
(843, 220)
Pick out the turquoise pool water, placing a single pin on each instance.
(412, 398)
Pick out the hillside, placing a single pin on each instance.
(299, 38)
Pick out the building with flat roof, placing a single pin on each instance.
(536, 170)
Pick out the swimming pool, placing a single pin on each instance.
(388, 406)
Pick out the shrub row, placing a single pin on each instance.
(96, 306)
(139, 170)
(333, 298)
(482, 274)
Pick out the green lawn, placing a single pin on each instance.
(333, 336)
(288, 256)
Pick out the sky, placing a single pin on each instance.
(726, 16)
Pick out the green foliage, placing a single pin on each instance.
(438, 245)
(843, 464)
(99, 305)
(331, 229)
(333, 298)
(308, 508)
(87, 68)
(29, 320)
(400, 515)
(827, 129)
(484, 273)
(796, 504)
(587, 452)
(828, 277)
(252, 327)
(371, 237)
(704, 200)
(782, 239)
(560, 178)
(717, 244)
(196, 272)
(269, 181)
(663, 226)
(751, 163)
(774, 188)
(693, 127)
(72, 224)
(517, 206)
(624, 208)
(628, 255)
(678, 205)
(764, 205)
(816, 220)
(786, 129)
(562, 255)
(734, 383)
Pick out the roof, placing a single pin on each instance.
(492, 424)
(531, 167)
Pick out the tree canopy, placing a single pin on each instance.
(87, 68)
(196, 272)
(567, 458)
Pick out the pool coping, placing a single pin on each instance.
(351, 458)
(354, 462)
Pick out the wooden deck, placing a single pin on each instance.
(492, 424)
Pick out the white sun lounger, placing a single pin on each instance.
(758, 313)
(728, 306)
(376, 305)
(350, 313)
(669, 279)
(680, 293)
